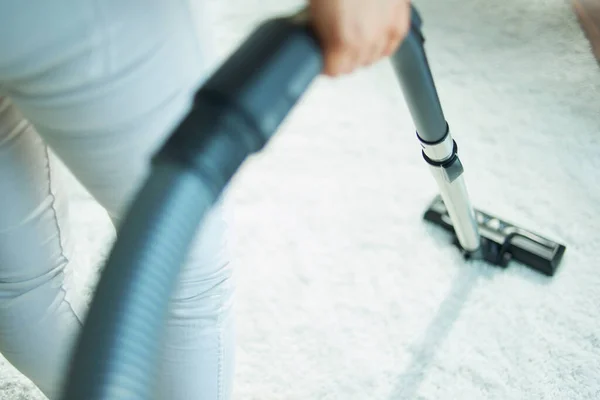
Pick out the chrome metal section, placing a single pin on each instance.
(439, 151)
(458, 205)
(453, 190)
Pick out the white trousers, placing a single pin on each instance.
(101, 83)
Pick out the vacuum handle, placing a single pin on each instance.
(278, 62)
(269, 73)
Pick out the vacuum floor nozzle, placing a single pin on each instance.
(503, 241)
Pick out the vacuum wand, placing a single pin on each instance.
(439, 149)
(480, 235)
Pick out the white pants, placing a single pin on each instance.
(102, 84)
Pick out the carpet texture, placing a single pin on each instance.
(344, 292)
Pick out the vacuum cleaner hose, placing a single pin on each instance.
(119, 347)
(233, 115)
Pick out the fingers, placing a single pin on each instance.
(356, 33)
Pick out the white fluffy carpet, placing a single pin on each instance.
(345, 293)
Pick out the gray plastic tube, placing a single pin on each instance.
(413, 72)
(117, 357)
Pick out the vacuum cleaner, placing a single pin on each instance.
(234, 114)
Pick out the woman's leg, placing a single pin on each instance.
(111, 82)
(37, 320)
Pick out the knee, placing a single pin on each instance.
(33, 289)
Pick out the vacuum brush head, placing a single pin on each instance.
(502, 241)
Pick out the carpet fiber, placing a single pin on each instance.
(345, 293)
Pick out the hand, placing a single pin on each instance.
(358, 33)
